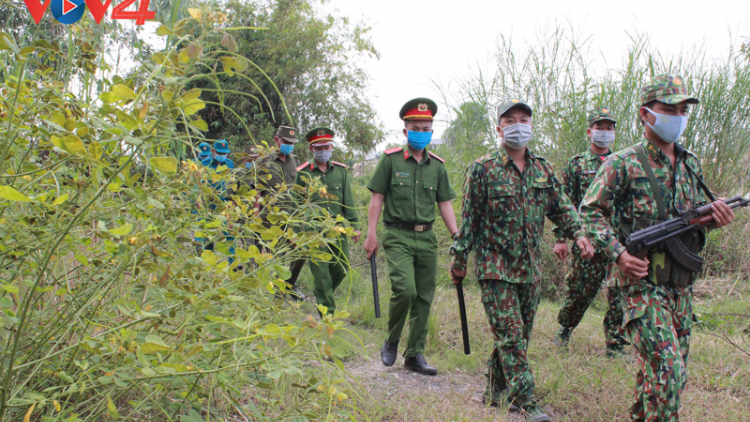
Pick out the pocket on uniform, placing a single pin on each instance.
(429, 191)
(401, 187)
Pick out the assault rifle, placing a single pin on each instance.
(666, 235)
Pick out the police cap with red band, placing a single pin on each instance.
(319, 134)
(418, 109)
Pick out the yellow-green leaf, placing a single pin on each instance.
(112, 409)
(95, 150)
(7, 192)
(123, 92)
(60, 199)
(193, 107)
(164, 30)
(122, 230)
(73, 145)
(200, 124)
(192, 94)
(27, 418)
(152, 348)
(164, 164)
(195, 13)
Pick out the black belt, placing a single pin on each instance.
(410, 227)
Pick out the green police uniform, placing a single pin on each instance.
(411, 190)
(337, 200)
(658, 308)
(584, 278)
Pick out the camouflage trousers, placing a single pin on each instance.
(583, 281)
(511, 308)
(657, 322)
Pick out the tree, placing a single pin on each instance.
(311, 75)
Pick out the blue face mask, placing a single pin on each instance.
(286, 149)
(249, 165)
(206, 161)
(419, 140)
(220, 158)
(669, 128)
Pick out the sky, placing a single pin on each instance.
(427, 46)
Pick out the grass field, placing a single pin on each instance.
(577, 384)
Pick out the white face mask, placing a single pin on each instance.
(603, 138)
(669, 128)
(517, 135)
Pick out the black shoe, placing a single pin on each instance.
(296, 294)
(499, 398)
(419, 364)
(388, 353)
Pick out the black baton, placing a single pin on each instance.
(375, 295)
(462, 312)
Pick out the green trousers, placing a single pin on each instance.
(328, 275)
(583, 281)
(412, 266)
(511, 309)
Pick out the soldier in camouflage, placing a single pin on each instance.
(654, 180)
(507, 195)
(585, 277)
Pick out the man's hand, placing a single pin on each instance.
(587, 250)
(632, 266)
(356, 236)
(721, 213)
(457, 276)
(561, 250)
(371, 244)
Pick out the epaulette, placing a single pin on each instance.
(436, 157)
(300, 168)
(393, 150)
(339, 164)
(483, 159)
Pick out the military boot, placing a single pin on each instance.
(563, 336)
(535, 414)
(388, 353)
(496, 397)
(419, 364)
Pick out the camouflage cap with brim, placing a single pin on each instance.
(600, 113)
(510, 104)
(287, 133)
(668, 89)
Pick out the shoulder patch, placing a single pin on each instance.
(393, 150)
(339, 164)
(483, 159)
(300, 168)
(436, 157)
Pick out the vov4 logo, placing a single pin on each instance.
(71, 11)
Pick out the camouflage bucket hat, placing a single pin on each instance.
(668, 89)
(600, 113)
(511, 103)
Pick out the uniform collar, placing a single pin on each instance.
(590, 155)
(407, 154)
(314, 166)
(679, 151)
(505, 158)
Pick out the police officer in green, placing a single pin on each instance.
(338, 200)
(281, 166)
(409, 181)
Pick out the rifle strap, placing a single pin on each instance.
(701, 183)
(658, 196)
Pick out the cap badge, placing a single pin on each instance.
(422, 107)
(291, 133)
(515, 100)
(677, 81)
(604, 110)
(321, 133)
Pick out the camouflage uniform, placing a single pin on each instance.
(585, 277)
(658, 311)
(502, 220)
